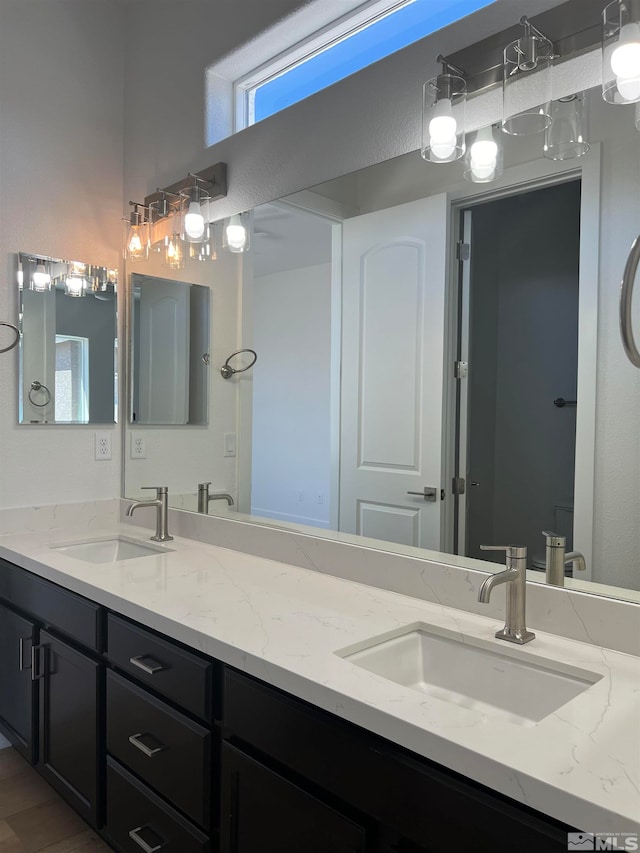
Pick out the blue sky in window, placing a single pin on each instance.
(402, 28)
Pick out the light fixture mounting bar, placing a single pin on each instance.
(574, 27)
(214, 178)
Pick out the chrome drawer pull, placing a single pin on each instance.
(149, 751)
(150, 669)
(134, 835)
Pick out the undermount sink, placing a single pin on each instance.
(508, 685)
(111, 550)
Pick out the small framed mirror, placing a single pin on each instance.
(169, 352)
(68, 342)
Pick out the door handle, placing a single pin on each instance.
(429, 493)
(35, 652)
(134, 835)
(149, 751)
(21, 655)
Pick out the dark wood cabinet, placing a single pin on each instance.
(70, 723)
(263, 812)
(17, 692)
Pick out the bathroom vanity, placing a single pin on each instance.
(196, 699)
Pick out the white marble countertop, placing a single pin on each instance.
(283, 624)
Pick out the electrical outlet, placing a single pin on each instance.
(102, 446)
(320, 499)
(301, 497)
(138, 446)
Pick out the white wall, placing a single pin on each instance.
(292, 395)
(61, 166)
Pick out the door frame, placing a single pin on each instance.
(516, 180)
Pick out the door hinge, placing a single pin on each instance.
(463, 251)
(458, 486)
(461, 369)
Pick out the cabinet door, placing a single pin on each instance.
(17, 692)
(70, 694)
(264, 813)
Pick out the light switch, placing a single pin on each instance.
(229, 444)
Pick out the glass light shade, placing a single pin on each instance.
(236, 234)
(136, 238)
(484, 160)
(621, 52)
(526, 86)
(566, 136)
(195, 215)
(173, 252)
(41, 278)
(443, 119)
(75, 286)
(206, 250)
(20, 276)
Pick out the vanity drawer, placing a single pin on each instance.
(68, 613)
(173, 672)
(133, 808)
(166, 749)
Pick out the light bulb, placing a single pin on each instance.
(484, 158)
(135, 242)
(41, 278)
(194, 222)
(625, 59)
(443, 127)
(20, 276)
(75, 286)
(236, 234)
(629, 88)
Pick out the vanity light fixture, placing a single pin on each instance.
(75, 283)
(236, 233)
(621, 52)
(566, 136)
(196, 208)
(526, 82)
(136, 234)
(41, 279)
(443, 115)
(484, 160)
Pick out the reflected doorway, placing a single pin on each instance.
(517, 392)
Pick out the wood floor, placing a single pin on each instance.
(33, 818)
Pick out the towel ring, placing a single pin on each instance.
(626, 298)
(226, 371)
(16, 332)
(38, 386)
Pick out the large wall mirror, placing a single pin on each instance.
(440, 363)
(68, 342)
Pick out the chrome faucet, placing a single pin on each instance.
(557, 558)
(515, 576)
(204, 498)
(161, 503)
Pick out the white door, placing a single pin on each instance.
(164, 352)
(394, 274)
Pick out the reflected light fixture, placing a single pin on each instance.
(136, 234)
(484, 161)
(41, 279)
(75, 283)
(526, 82)
(443, 117)
(621, 52)
(566, 136)
(236, 233)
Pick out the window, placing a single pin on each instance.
(72, 379)
(338, 51)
